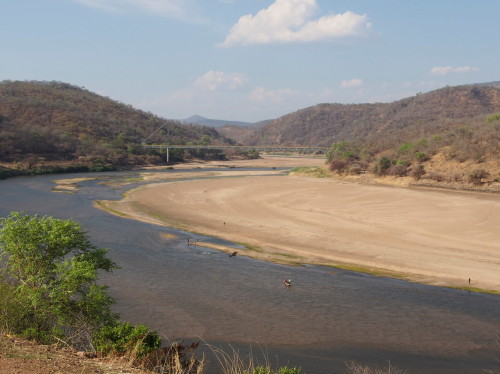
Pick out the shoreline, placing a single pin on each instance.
(362, 230)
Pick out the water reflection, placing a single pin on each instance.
(328, 316)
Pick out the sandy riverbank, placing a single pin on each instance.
(434, 237)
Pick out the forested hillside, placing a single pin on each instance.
(382, 125)
(448, 137)
(45, 123)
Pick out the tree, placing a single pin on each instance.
(342, 151)
(51, 269)
(205, 140)
(493, 117)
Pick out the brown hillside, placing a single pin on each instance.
(50, 122)
(448, 137)
(381, 125)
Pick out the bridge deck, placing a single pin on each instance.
(240, 147)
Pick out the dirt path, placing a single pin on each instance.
(18, 356)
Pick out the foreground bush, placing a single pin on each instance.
(49, 281)
(123, 337)
(49, 293)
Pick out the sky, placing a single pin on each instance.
(250, 60)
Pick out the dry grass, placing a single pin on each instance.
(355, 368)
(233, 362)
(173, 358)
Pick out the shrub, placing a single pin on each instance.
(465, 132)
(385, 163)
(422, 143)
(355, 368)
(417, 172)
(435, 176)
(281, 370)
(171, 359)
(406, 148)
(100, 167)
(397, 170)
(382, 165)
(437, 138)
(287, 370)
(476, 176)
(401, 163)
(344, 151)
(355, 169)
(421, 156)
(50, 269)
(124, 337)
(338, 165)
(493, 118)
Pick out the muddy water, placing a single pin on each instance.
(327, 317)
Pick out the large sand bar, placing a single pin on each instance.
(435, 237)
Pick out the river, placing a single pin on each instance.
(327, 318)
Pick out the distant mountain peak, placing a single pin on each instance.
(200, 120)
(195, 118)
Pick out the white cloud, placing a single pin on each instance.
(465, 69)
(352, 83)
(213, 80)
(184, 10)
(444, 70)
(287, 21)
(261, 94)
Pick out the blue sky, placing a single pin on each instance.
(250, 60)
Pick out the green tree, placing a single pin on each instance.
(205, 140)
(342, 151)
(493, 117)
(406, 148)
(124, 337)
(51, 269)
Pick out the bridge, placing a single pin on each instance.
(265, 148)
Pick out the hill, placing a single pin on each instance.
(382, 124)
(495, 84)
(448, 137)
(50, 122)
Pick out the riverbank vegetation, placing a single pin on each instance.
(464, 157)
(460, 159)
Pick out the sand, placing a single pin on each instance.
(434, 237)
